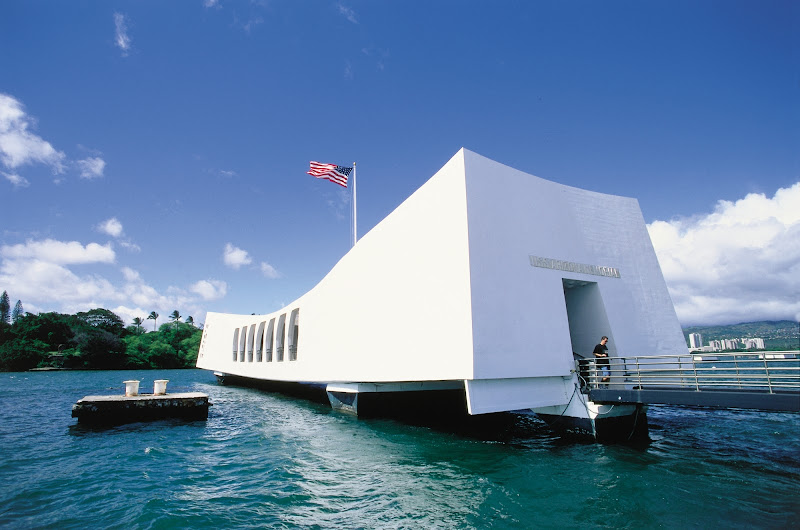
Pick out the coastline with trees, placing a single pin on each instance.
(93, 340)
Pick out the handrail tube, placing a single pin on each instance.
(754, 371)
(758, 355)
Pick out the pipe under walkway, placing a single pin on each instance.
(751, 380)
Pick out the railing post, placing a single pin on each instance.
(766, 371)
(582, 368)
(736, 365)
(638, 373)
(716, 373)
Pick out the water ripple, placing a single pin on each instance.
(264, 460)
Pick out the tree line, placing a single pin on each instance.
(93, 340)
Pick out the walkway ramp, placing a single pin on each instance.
(749, 380)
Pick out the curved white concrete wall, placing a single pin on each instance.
(395, 308)
(519, 312)
(444, 289)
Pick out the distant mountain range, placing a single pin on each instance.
(777, 334)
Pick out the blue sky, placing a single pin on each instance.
(153, 154)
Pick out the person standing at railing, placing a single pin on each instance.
(601, 355)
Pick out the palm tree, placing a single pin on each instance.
(154, 317)
(138, 323)
(175, 316)
(190, 320)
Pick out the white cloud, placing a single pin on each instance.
(235, 257)
(111, 227)
(211, 3)
(39, 274)
(91, 167)
(146, 298)
(59, 252)
(338, 202)
(251, 24)
(210, 289)
(142, 294)
(133, 247)
(130, 275)
(248, 26)
(348, 13)
(739, 263)
(379, 54)
(16, 180)
(41, 281)
(121, 38)
(18, 145)
(127, 314)
(269, 271)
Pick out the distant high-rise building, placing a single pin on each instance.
(736, 344)
(753, 344)
(695, 340)
(731, 344)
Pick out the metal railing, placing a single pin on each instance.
(767, 371)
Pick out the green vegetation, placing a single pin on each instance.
(777, 334)
(96, 339)
(5, 308)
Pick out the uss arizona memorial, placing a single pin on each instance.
(478, 291)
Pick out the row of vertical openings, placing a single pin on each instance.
(264, 342)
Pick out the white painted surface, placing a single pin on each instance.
(414, 386)
(395, 308)
(443, 290)
(498, 395)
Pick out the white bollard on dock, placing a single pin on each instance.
(131, 387)
(160, 387)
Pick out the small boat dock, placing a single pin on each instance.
(133, 407)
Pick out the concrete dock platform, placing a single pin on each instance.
(141, 407)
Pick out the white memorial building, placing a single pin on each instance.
(481, 288)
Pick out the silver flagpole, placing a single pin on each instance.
(355, 211)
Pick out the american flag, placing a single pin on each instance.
(332, 172)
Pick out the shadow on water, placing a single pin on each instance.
(81, 429)
(520, 429)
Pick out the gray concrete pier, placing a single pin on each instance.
(141, 407)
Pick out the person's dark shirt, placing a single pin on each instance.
(602, 350)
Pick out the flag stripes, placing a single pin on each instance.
(332, 172)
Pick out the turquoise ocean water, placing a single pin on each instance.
(264, 460)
